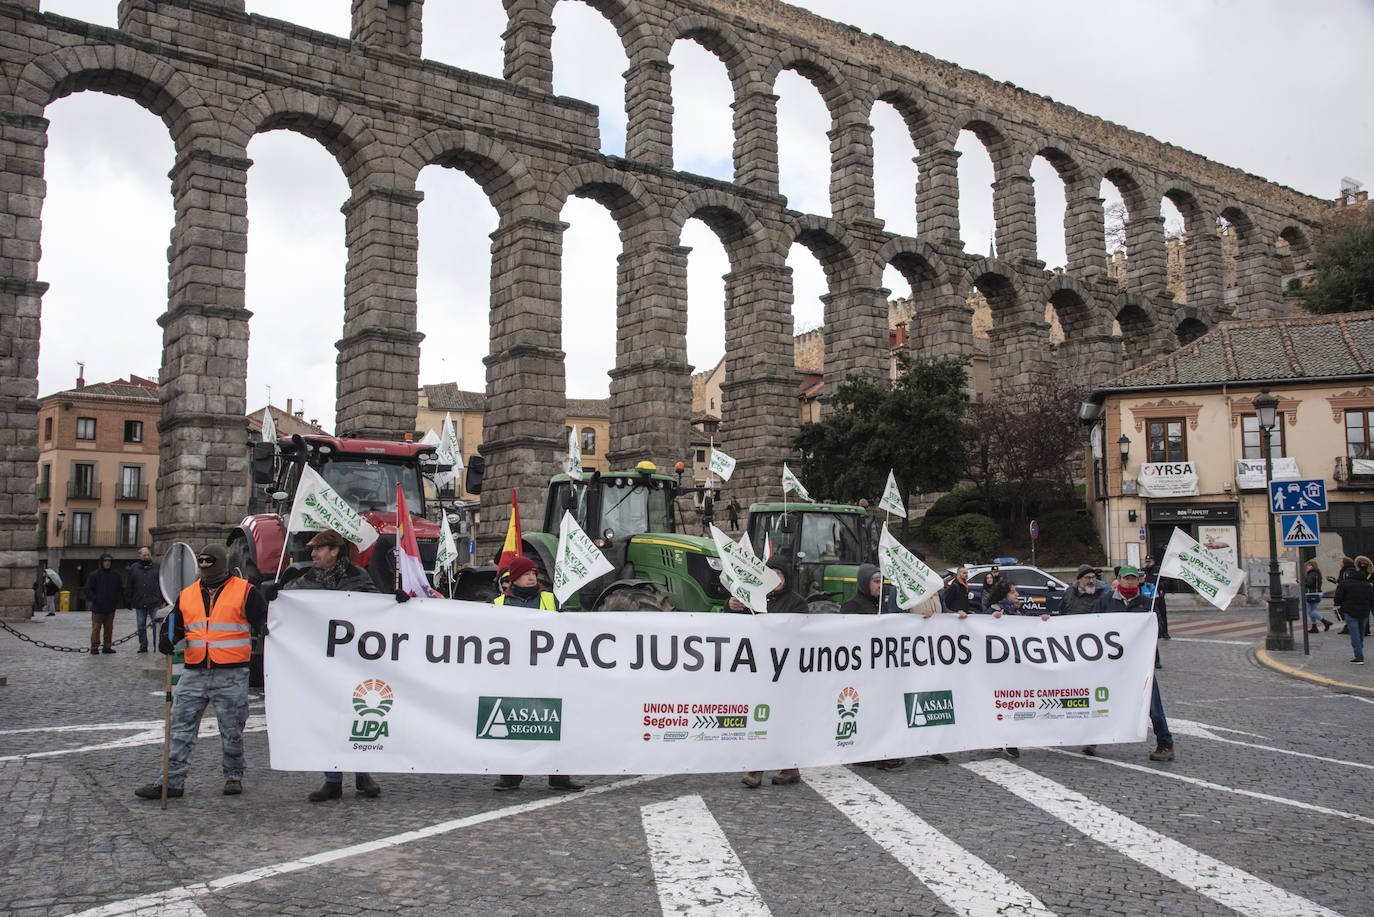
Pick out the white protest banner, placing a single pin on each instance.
(579, 560)
(430, 438)
(913, 580)
(1251, 474)
(318, 507)
(269, 427)
(356, 682)
(790, 483)
(1209, 574)
(743, 573)
(1168, 479)
(892, 498)
(721, 464)
(448, 549)
(450, 453)
(574, 467)
(1361, 466)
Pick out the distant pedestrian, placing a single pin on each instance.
(955, 596)
(1125, 596)
(1312, 597)
(1355, 595)
(732, 512)
(104, 590)
(1082, 594)
(145, 594)
(50, 595)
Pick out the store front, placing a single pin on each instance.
(1215, 526)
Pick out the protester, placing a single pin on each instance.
(331, 570)
(1005, 600)
(1312, 588)
(145, 594)
(1080, 597)
(1343, 572)
(50, 595)
(990, 579)
(1125, 596)
(217, 616)
(865, 599)
(523, 591)
(955, 596)
(104, 590)
(1355, 596)
(732, 513)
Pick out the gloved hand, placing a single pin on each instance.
(164, 646)
(270, 590)
(402, 595)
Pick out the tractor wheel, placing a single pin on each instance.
(822, 607)
(633, 598)
(238, 558)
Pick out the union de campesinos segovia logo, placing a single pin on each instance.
(530, 719)
(929, 708)
(372, 701)
(847, 707)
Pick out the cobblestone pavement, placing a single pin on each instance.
(1265, 811)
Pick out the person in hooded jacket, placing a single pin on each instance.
(145, 594)
(104, 591)
(865, 600)
(1125, 596)
(1355, 595)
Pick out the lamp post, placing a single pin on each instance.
(1278, 638)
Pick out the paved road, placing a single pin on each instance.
(1266, 811)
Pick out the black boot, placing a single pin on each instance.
(1326, 625)
(564, 783)
(332, 789)
(366, 786)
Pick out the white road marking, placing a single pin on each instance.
(147, 734)
(695, 868)
(1203, 731)
(960, 879)
(1231, 887)
(182, 896)
(1173, 775)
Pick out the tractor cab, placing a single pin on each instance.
(822, 544)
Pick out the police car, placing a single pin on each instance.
(1039, 592)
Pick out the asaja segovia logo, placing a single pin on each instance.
(930, 708)
(372, 701)
(537, 719)
(847, 706)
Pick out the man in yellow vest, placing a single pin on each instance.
(217, 616)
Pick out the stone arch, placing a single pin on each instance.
(1190, 324)
(737, 227)
(340, 130)
(992, 133)
(502, 175)
(1136, 194)
(920, 123)
(939, 321)
(628, 19)
(1073, 303)
(830, 242)
(1299, 254)
(821, 73)
(621, 193)
(1137, 322)
(721, 40)
(997, 281)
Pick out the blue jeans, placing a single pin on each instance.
(1163, 737)
(227, 689)
(1314, 617)
(147, 618)
(1356, 628)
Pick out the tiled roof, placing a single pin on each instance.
(286, 424)
(135, 387)
(1260, 350)
(589, 407)
(447, 396)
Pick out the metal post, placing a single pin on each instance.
(1278, 637)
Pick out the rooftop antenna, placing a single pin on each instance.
(992, 246)
(1349, 188)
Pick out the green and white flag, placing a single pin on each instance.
(790, 483)
(318, 507)
(892, 499)
(1208, 573)
(448, 549)
(269, 427)
(574, 456)
(450, 453)
(430, 439)
(579, 560)
(913, 580)
(721, 464)
(743, 574)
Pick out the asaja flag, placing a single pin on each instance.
(892, 498)
(450, 453)
(743, 574)
(430, 439)
(511, 549)
(448, 548)
(318, 507)
(914, 581)
(269, 427)
(579, 560)
(574, 457)
(1210, 575)
(790, 483)
(721, 464)
(412, 572)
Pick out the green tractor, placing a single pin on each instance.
(632, 517)
(822, 543)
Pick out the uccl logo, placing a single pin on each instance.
(372, 701)
(847, 706)
(530, 719)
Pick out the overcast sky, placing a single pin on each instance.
(1271, 87)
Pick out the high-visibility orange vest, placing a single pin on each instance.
(225, 632)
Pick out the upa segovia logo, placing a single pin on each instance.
(847, 706)
(929, 708)
(531, 719)
(372, 701)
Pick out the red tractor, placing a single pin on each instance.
(364, 472)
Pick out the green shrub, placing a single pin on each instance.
(968, 537)
(955, 503)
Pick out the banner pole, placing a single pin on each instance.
(167, 720)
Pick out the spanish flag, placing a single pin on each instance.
(511, 549)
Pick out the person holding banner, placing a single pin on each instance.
(1125, 596)
(865, 601)
(781, 598)
(955, 596)
(1355, 596)
(1080, 597)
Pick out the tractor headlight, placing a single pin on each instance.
(714, 563)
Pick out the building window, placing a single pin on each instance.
(701, 456)
(42, 530)
(128, 530)
(45, 481)
(82, 485)
(589, 442)
(1250, 438)
(1357, 439)
(133, 431)
(131, 482)
(47, 429)
(79, 531)
(85, 428)
(1167, 442)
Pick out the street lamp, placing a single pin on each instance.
(1124, 444)
(1278, 638)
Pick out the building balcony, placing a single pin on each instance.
(101, 539)
(1354, 474)
(137, 494)
(83, 490)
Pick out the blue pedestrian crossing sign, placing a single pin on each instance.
(1300, 529)
(1297, 496)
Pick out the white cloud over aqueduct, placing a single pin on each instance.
(1274, 92)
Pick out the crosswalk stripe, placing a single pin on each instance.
(1201, 730)
(959, 878)
(1231, 887)
(695, 868)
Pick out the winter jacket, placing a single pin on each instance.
(955, 596)
(356, 579)
(104, 589)
(785, 601)
(1355, 597)
(1113, 601)
(145, 585)
(543, 600)
(862, 603)
(1080, 603)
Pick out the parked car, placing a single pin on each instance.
(1040, 592)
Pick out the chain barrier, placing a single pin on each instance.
(61, 649)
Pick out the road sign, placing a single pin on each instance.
(1035, 529)
(1297, 496)
(1300, 530)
